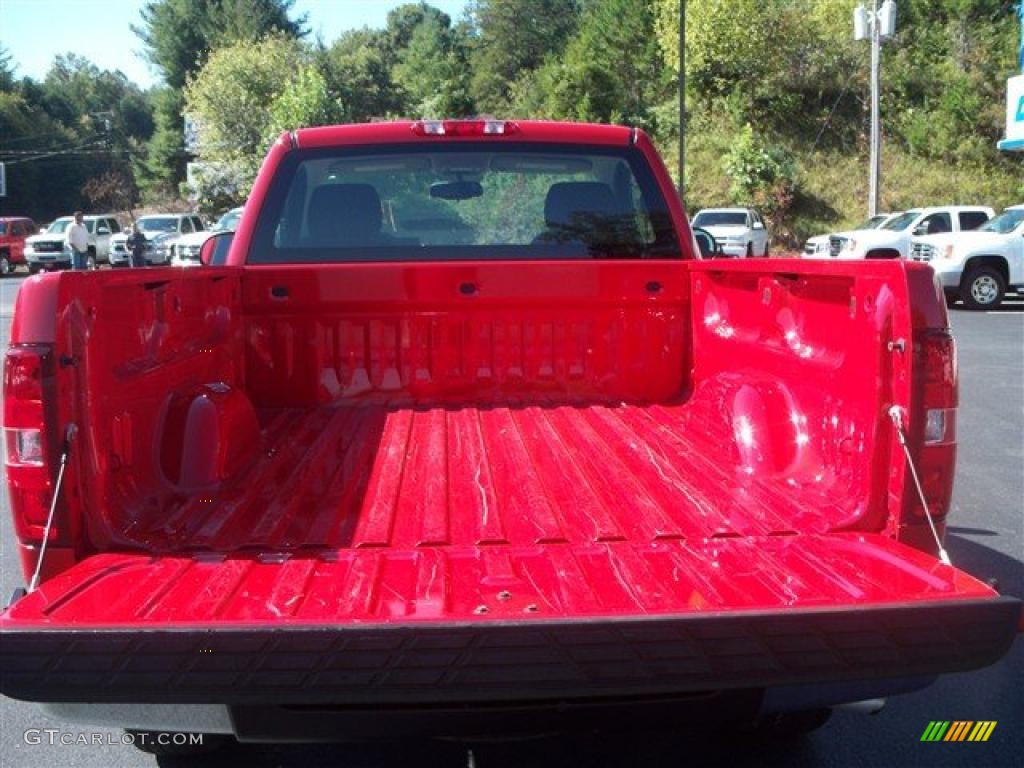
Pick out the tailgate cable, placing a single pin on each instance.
(896, 414)
(69, 436)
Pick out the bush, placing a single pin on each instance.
(763, 176)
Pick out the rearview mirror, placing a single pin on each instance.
(102, 231)
(214, 251)
(456, 190)
(709, 247)
(920, 229)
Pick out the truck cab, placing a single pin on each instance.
(977, 266)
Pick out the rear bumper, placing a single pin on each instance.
(485, 662)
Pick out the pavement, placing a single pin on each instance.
(985, 538)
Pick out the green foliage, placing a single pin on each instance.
(432, 70)
(179, 35)
(777, 89)
(761, 175)
(80, 123)
(357, 71)
(610, 71)
(159, 170)
(216, 187)
(6, 70)
(232, 96)
(513, 37)
(247, 94)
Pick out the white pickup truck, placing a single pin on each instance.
(47, 251)
(817, 247)
(980, 265)
(895, 234)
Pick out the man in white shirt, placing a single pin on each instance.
(76, 237)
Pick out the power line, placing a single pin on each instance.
(56, 153)
(36, 137)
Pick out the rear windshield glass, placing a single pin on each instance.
(157, 224)
(720, 219)
(421, 203)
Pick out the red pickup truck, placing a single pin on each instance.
(462, 429)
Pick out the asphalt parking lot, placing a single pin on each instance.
(986, 538)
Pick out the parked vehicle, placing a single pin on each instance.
(13, 231)
(46, 250)
(739, 231)
(185, 251)
(162, 231)
(818, 246)
(892, 239)
(358, 482)
(978, 266)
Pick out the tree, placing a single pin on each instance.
(304, 101)
(403, 21)
(179, 35)
(611, 70)
(247, 94)
(112, 191)
(433, 70)
(162, 166)
(6, 70)
(357, 71)
(513, 37)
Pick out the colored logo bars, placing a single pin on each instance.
(958, 730)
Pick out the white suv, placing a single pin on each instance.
(978, 266)
(739, 231)
(895, 234)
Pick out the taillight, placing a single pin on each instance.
(463, 127)
(29, 392)
(939, 399)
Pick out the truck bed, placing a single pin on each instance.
(645, 481)
(379, 476)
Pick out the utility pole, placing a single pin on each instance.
(876, 131)
(682, 100)
(878, 24)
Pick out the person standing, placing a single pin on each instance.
(77, 239)
(136, 244)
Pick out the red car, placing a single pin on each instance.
(13, 231)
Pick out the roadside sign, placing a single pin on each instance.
(3, 180)
(1014, 140)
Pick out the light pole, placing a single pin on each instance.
(879, 24)
(682, 99)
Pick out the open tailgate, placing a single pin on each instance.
(489, 623)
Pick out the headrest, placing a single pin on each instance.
(344, 213)
(569, 200)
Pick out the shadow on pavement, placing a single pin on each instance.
(985, 563)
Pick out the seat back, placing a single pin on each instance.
(344, 214)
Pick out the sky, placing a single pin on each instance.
(35, 31)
